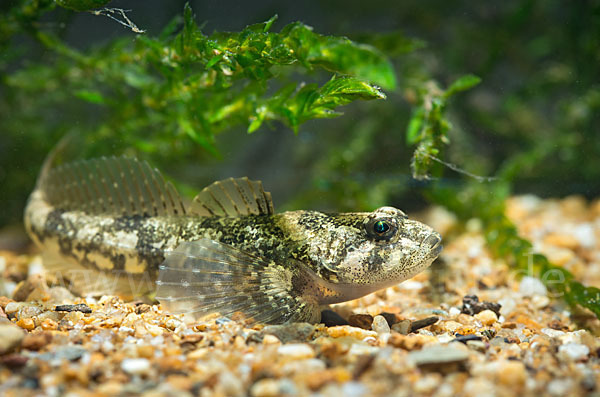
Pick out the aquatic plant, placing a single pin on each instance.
(170, 96)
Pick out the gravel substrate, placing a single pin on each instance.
(468, 326)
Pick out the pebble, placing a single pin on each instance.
(13, 360)
(294, 332)
(477, 345)
(296, 351)
(26, 323)
(530, 286)
(438, 354)
(553, 333)
(363, 321)
(270, 340)
(354, 389)
(562, 240)
(380, 325)
(34, 283)
(427, 384)
(265, 388)
(231, 384)
(35, 341)
(61, 295)
(135, 366)
(511, 372)
(559, 387)
(453, 312)
(487, 317)
(331, 318)
(11, 308)
(80, 307)
(540, 301)
(425, 322)
(476, 387)
(10, 337)
(68, 352)
(573, 352)
(403, 327)
(353, 332)
(409, 342)
(585, 235)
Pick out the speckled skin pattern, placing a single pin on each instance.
(314, 258)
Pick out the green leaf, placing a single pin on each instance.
(187, 128)
(393, 44)
(462, 84)
(270, 23)
(91, 96)
(262, 27)
(415, 125)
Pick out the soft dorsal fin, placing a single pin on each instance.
(233, 197)
(111, 185)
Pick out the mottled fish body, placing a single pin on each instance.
(113, 225)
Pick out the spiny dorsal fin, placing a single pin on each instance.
(206, 276)
(113, 185)
(233, 197)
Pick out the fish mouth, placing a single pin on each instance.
(433, 242)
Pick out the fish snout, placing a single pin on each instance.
(433, 242)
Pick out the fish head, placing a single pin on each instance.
(358, 253)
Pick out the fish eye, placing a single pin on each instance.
(381, 229)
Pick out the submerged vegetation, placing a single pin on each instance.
(525, 120)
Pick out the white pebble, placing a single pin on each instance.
(135, 366)
(508, 305)
(540, 301)
(478, 387)
(532, 286)
(9, 287)
(426, 384)
(362, 350)
(529, 202)
(231, 384)
(573, 351)
(36, 266)
(354, 389)
(303, 366)
(553, 333)
(559, 387)
(380, 325)
(411, 285)
(572, 337)
(584, 233)
(12, 307)
(265, 388)
(296, 351)
(453, 312)
(445, 338)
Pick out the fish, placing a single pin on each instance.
(113, 225)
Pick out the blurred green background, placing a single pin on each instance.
(532, 121)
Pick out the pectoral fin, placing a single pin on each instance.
(207, 276)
